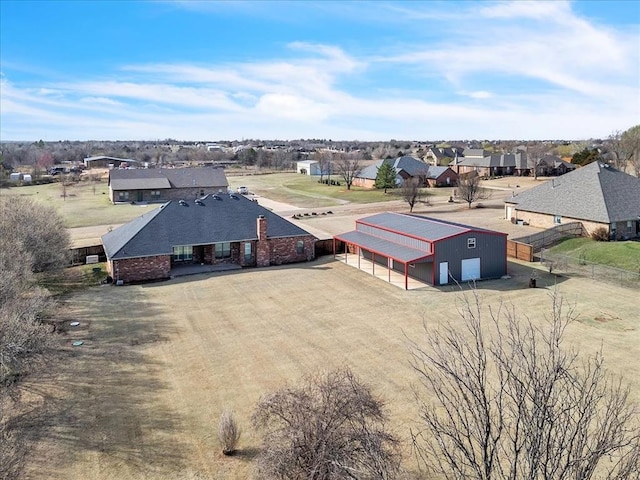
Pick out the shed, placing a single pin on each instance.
(433, 251)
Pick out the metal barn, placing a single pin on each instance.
(432, 251)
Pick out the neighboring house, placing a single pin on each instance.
(429, 250)
(160, 185)
(308, 167)
(493, 165)
(597, 195)
(109, 162)
(552, 166)
(225, 229)
(442, 155)
(408, 167)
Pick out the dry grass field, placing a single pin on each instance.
(141, 397)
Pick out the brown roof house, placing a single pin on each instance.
(597, 195)
(162, 184)
(408, 167)
(215, 232)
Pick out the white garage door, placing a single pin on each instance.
(470, 269)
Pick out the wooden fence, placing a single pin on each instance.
(552, 235)
(519, 250)
(79, 255)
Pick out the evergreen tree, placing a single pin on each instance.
(386, 177)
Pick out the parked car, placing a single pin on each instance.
(243, 190)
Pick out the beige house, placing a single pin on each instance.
(596, 195)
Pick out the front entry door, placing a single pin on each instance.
(140, 196)
(444, 273)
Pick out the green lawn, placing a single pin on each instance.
(305, 191)
(86, 206)
(625, 255)
(82, 207)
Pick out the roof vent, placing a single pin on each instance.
(231, 195)
(216, 197)
(183, 203)
(199, 202)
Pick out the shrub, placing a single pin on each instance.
(600, 234)
(228, 432)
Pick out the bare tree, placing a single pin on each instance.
(324, 163)
(348, 167)
(631, 141)
(228, 432)
(38, 229)
(535, 153)
(330, 427)
(412, 193)
(469, 189)
(619, 150)
(514, 403)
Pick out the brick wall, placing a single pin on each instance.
(284, 250)
(140, 269)
(543, 220)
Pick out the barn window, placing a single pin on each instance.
(300, 247)
(471, 242)
(223, 249)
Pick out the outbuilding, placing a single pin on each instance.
(432, 251)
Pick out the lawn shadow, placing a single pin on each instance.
(101, 399)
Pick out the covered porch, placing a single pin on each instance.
(401, 265)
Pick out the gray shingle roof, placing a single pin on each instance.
(142, 179)
(412, 166)
(226, 219)
(595, 192)
(513, 160)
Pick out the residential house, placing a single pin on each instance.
(408, 167)
(429, 250)
(597, 195)
(493, 165)
(219, 230)
(443, 155)
(552, 166)
(162, 184)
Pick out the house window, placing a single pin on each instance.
(201, 193)
(123, 196)
(223, 249)
(300, 247)
(183, 253)
(557, 219)
(247, 252)
(155, 194)
(471, 242)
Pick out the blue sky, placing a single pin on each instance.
(121, 70)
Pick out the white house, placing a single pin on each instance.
(308, 167)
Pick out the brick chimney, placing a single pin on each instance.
(263, 257)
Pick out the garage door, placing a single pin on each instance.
(470, 269)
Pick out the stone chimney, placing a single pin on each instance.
(262, 245)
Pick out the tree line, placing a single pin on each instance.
(34, 247)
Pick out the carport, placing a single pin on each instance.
(385, 253)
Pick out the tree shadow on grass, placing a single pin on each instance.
(101, 400)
